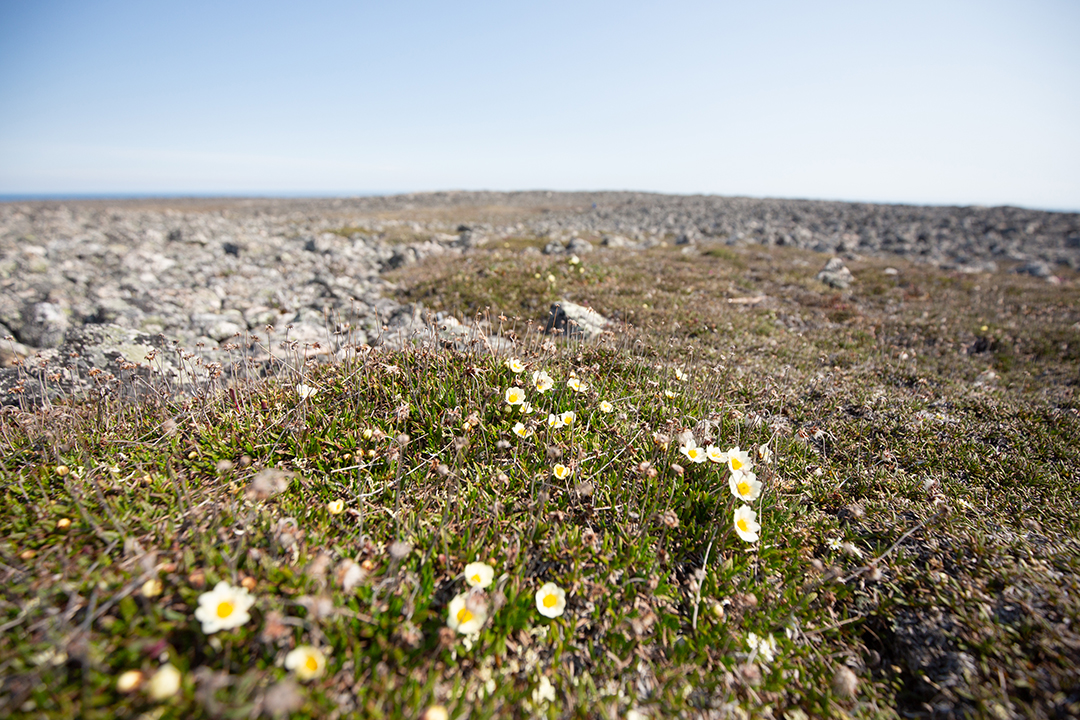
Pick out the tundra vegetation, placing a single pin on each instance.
(754, 496)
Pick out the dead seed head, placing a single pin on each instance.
(669, 519)
(399, 550)
(268, 483)
(845, 683)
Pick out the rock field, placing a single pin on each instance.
(143, 279)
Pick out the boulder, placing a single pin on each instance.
(572, 320)
(44, 325)
(836, 274)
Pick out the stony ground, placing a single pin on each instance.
(920, 516)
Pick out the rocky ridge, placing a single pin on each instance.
(183, 285)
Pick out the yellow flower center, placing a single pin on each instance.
(312, 663)
(476, 578)
(736, 464)
(550, 600)
(225, 609)
(464, 616)
(743, 488)
(742, 525)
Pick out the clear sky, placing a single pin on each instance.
(929, 102)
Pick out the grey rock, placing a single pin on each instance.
(44, 325)
(615, 241)
(572, 320)
(836, 274)
(579, 246)
(1036, 268)
(554, 248)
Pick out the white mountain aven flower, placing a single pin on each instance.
(542, 381)
(606, 407)
(462, 619)
(555, 422)
(335, 507)
(576, 385)
(716, 455)
(544, 692)
(514, 396)
(479, 575)
(306, 391)
(223, 608)
(561, 471)
(765, 453)
(129, 681)
(515, 365)
(693, 451)
(746, 525)
(681, 375)
(526, 408)
(745, 485)
(738, 459)
(568, 417)
(306, 662)
(550, 600)
(765, 647)
(670, 394)
(165, 683)
(521, 431)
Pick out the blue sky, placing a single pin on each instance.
(927, 102)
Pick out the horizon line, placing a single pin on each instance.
(339, 195)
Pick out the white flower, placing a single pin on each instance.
(542, 381)
(561, 471)
(165, 683)
(681, 375)
(738, 459)
(575, 385)
(746, 524)
(306, 661)
(479, 575)
(834, 543)
(606, 407)
(544, 692)
(670, 394)
(223, 608)
(335, 507)
(129, 681)
(715, 454)
(568, 417)
(515, 365)
(527, 408)
(515, 396)
(521, 431)
(693, 451)
(764, 453)
(305, 391)
(554, 421)
(462, 619)
(765, 647)
(550, 600)
(574, 260)
(744, 485)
